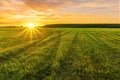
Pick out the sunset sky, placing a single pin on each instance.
(41, 12)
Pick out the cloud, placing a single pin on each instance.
(46, 4)
(96, 4)
(55, 9)
(23, 6)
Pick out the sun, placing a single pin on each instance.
(31, 25)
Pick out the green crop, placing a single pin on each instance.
(60, 54)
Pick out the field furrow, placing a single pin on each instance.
(107, 54)
(34, 54)
(60, 54)
(8, 53)
(65, 67)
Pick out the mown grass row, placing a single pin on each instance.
(69, 54)
(8, 53)
(17, 64)
(21, 37)
(110, 55)
(19, 49)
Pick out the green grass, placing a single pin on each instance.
(60, 54)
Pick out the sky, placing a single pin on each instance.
(42, 12)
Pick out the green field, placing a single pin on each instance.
(60, 54)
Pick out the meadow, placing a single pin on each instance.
(60, 54)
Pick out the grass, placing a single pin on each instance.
(60, 54)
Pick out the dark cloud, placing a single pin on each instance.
(44, 4)
(53, 4)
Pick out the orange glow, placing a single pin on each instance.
(20, 12)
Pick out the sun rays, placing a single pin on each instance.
(30, 32)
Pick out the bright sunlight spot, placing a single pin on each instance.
(31, 25)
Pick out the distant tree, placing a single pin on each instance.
(82, 26)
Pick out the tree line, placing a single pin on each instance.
(82, 26)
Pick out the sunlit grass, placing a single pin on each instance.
(29, 32)
(79, 54)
